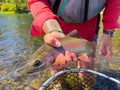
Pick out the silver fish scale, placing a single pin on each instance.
(77, 45)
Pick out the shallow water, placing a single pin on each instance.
(17, 46)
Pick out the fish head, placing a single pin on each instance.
(39, 61)
(39, 64)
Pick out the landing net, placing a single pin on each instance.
(81, 79)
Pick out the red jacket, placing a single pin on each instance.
(41, 11)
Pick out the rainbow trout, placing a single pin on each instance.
(45, 56)
(42, 59)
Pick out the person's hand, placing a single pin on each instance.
(52, 38)
(63, 60)
(105, 45)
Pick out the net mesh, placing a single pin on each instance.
(76, 80)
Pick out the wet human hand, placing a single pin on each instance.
(105, 46)
(63, 60)
(53, 38)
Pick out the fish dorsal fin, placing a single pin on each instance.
(73, 33)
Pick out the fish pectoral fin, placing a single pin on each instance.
(84, 57)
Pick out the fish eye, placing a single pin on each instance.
(37, 63)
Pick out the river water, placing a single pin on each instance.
(17, 46)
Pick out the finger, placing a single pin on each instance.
(58, 67)
(60, 59)
(108, 49)
(63, 60)
(74, 57)
(84, 57)
(95, 58)
(78, 64)
(67, 56)
(105, 51)
(52, 41)
(102, 51)
(70, 56)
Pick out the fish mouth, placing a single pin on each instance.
(37, 69)
(29, 69)
(20, 72)
(32, 71)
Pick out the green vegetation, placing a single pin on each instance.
(13, 6)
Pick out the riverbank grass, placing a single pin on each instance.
(12, 12)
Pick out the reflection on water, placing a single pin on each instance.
(17, 46)
(15, 42)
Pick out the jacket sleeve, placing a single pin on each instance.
(40, 10)
(111, 14)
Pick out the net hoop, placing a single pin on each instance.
(43, 87)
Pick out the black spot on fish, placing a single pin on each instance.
(37, 63)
